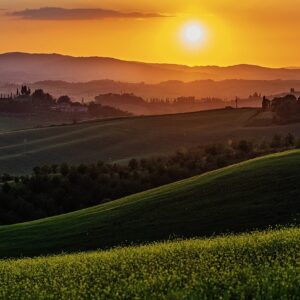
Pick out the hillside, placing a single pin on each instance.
(247, 196)
(257, 266)
(118, 140)
(24, 67)
(224, 89)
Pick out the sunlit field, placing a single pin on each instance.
(251, 266)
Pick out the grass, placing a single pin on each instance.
(251, 195)
(118, 140)
(12, 122)
(250, 266)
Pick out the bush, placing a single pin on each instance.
(6, 177)
(290, 140)
(133, 164)
(276, 141)
(64, 169)
(245, 146)
(215, 149)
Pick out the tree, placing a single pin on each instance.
(266, 104)
(64, 169)
(64, 100)
(245, 146)
(82, 169)
(25, 91)
(37, 170)
(6, 177)
(45, 169)
(285, 106)
(276, 141)
(54, 168)
(41, 98)
(263, 145)
(56, 181)
(215, 149)
(133, 164)
(289, 140)
(143, 163)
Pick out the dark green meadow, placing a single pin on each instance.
(251, 195)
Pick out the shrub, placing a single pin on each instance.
(276, 141)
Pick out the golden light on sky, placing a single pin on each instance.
(193, 32)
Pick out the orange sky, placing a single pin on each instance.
(253, 31)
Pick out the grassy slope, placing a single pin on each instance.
(257, 266)
(121, 139)
(10, 122)
(250, 195)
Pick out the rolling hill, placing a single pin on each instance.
(118, 140)
(224, 89)
(251, 195)
(24, 67)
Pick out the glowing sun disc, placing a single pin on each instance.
(193, 33)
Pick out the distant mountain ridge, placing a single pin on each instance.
(18, 67)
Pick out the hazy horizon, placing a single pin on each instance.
(149, 62)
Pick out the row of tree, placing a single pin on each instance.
(55, 189)
(39, 101)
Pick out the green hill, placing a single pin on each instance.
(247, 196)
(256, 266)
(118, 140)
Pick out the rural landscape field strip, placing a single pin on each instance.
(123, 139)
(242, 197)
(250, 266)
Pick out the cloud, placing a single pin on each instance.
(57, 13)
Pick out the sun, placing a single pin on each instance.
(193, 34)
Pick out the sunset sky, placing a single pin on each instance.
(193, 32)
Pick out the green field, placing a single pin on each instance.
(247, 196)
(118, 140)
(256, 266)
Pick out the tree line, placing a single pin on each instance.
(286, 108)
(26, 101)
(61, 188)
